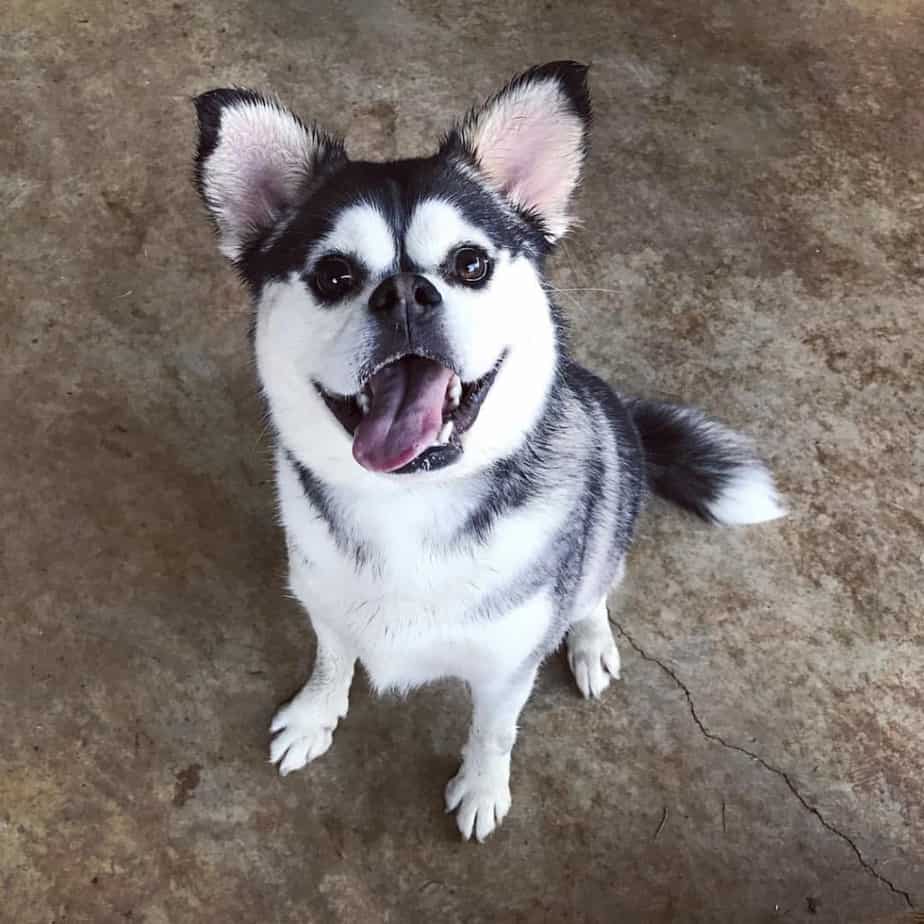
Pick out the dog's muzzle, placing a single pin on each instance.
(413, 407)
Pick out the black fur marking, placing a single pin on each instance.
(592, 389)
(395, 188)
(571, 77)
(316, 495)
(579, 532)
(558, 568)
(535, 578)
(689, 459)
(511, 486)
(514, 481)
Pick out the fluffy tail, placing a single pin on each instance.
(703, 466)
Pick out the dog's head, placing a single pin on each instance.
(402, 322)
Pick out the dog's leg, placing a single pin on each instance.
(592, 653)
(480, 792)
(304, 727)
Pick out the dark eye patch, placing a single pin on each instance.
(395, 188)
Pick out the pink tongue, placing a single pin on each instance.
(405, 416)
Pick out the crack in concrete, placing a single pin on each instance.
(712, 736)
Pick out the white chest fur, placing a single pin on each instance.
(419, 606)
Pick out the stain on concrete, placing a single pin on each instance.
(186, 782)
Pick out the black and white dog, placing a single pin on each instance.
(458, 494)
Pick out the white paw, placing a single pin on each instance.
(303, 731)
(593, 657)
(479, 794)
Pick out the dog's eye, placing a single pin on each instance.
(333, 277)
(471, 265)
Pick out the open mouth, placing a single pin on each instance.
(410, 414)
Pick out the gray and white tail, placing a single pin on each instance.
(702, 466)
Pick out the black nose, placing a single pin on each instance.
(404, 294)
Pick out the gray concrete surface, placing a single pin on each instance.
(752, 242)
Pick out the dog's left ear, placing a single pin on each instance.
(529, 141)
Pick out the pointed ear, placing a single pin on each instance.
(530, 140)
(255, 159)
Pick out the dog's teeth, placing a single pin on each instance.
(362, 399)
(455, 391)
(445, 432)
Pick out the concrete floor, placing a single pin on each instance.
(751, 243)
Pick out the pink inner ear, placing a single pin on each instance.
(530, 144)
(264, 195)
(258, 166)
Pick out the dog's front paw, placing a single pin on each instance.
(303, 731)
(593, 657)
(479, 794)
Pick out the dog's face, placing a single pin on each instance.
(402, 325)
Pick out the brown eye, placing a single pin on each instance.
(333, 277)
(471, 265)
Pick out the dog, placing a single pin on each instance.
(458, 494)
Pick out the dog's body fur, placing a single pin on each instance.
(475, 555)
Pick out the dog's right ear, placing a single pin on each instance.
(255, 160)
